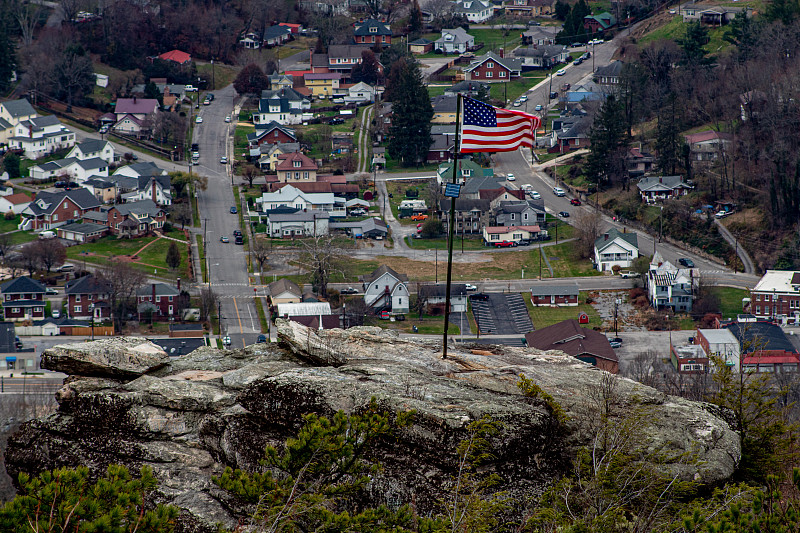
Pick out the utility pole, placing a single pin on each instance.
(661, 224)
(540, 259)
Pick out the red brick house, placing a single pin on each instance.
(50, 210)
(135, 219)
(160, 299)
(23, 299)
(87, 297)
(554, 295)
(372, 31)
(272, 133)
(585, 344)
(493, 68)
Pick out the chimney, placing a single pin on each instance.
(154, 190)
(502, 53)
(179, 284)
(153, 286)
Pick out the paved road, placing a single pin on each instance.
(226, 262)
(747, 261)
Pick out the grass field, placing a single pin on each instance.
(398, 191)
(148, 259)
(469, 243)
(495, 39)
(221, 75)
(7, 225)
(547, 316)
(730, 300)
(566, 263)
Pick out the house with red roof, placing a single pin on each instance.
(708, 145)
(16, 203)
(176, 56)
(296, 28)
(296, 166)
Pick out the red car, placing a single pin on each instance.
(503, 244)
(575, 201)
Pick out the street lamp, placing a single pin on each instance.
(617, 302)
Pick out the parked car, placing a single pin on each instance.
(239, 240)
(104, 128)
(198, 120)
(596, 41)
(206, 102)
(480, 296)
(558, 191)
(66, 267)
(615, 339)
(210, 96)
(55, 313)
(625, 274)
(722, 214)
(561, 72)
(575, 201)
(523, 98)
(237, 233)
(226, 340)
(471, 287)
(224, 238)
(261, 339)
(223, 160)
(419, 217)
(60, 184)
(553, 95)
(228, 118)
(358, 212)
(563, 214)
(51, 292)
(688, 263)
(233, 210)
(615, 345)
(517, 103)
(190, 88)
(349, 290)
(511, 177)
(195, 148)
(504, 244)
(535, 195)
(335, 121)
(577, 61)
(538, 107)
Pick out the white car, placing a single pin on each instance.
(561, 72)
(226, 340)
(198, 120)
(596, 41)
(55, 313)
(190, 89)
(535, 195)
(228, 118)
(517, 103)
(722, 214)
(471, 287)
(511, 177)
(223, 160)
(558, 191)
(523, 98)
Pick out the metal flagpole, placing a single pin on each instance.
(452, 225)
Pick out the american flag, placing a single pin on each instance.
(485, 128)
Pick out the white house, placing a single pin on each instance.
(12, 113)
(671, 287)
(475, 11)
(360, 93)
(434, 294)
(298, 224)
(453, 41)
(39, 136)
(303, 309)
(137, 170)
(386, 290)
(76, 169)
(615, 248)
(720, 343)
(290, 196)
(155, 188)
(495, 235)
(91, 148)
(16, 203)
(284, 106)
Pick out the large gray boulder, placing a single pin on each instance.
(190, 417)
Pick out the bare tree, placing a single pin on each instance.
(181, 214)
(261, 252)
(123, 281)
(208, 300)
(250, 173)
(5, 245)
(27, 15)
(166, 127)
(70, 8)
(324, 258)
(29, 258)
(50, 253)
(588, 230)
(439, 8)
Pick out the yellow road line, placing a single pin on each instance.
(241, 330)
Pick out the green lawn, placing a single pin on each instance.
(547, 316)
(513, 89)
(7, 225)
(21, 237)
(566, 263)
(221, 75)
(398, 191)
(495, 39)
(100, 251)
(730, 300)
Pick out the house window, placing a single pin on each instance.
(15, 309)
(288, 175)
(758, 309)
(489, 65)
(296, 163)
(494, 237)
(466, 172)
(37, 309)
(66, 205)
(525, 216)
(512, 216)
(77, 297)
(55, 217)
(78, 308)
(89, 297)
(502, 74)
(170, 309)
(170, 298)
(489, 74)
(373, 30)
(305, 175)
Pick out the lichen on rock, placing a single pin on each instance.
(189, 417)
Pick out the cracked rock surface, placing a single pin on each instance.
(127, 402)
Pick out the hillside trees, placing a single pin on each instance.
(573, 30)
(251, 80)
(606, 163)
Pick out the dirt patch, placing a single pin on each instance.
(495, 266)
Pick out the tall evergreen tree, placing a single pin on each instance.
(692, 43)
(173, 258)
(668, 135)
(410, 134)
(414, 20)
(608, 141)
(8, 51)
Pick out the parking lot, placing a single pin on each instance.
(656, 342)
(501, 314)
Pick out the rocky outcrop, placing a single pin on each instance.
(190, 417)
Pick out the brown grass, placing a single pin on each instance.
(506, 265)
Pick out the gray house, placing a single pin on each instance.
(521, 213)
